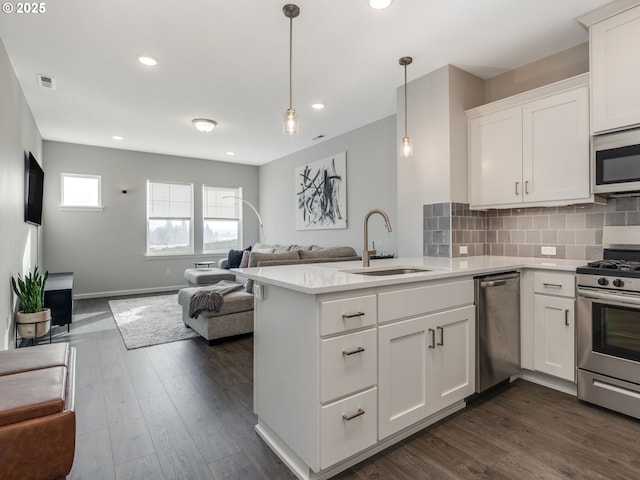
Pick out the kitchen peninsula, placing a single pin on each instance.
(347, 363)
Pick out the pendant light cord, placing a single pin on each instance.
(405, 100)
(290, 62)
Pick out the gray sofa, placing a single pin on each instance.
(236, 315)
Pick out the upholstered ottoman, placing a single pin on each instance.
(196, 277)
(234, 318)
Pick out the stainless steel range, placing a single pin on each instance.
(608, 326)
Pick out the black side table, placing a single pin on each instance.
(58, 296)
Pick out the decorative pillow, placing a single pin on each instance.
(244, 262)
(234, 258)
(257, 257)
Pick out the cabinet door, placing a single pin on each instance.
(554, 336)
(454, 356)
(495, 158)
(403, 376)
(556, 147)
(615, 71)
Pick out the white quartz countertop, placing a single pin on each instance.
(330, 277)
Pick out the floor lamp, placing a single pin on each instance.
(264, 239)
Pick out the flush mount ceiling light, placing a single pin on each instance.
(379, 4)
(204, 125)
(230, 153)
(291, 11)
(317, 106)
(147, 60)
(406, 147)
(118, 137)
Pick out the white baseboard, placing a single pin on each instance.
(136, 291)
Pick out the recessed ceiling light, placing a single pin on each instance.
(148, 61)
(317, 106)
(230, 153)
(204, 125)
(379, 4)
(118, 137)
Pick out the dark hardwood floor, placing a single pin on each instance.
(183, 410)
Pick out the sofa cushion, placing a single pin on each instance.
(257, 257)
(207, 276)
(244, 263)
(234, 257)
(333, 252)
(32, 394)
(234, 302)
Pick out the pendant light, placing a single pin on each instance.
(406, 147)
(291, 11)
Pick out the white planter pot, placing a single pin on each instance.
(33, 324)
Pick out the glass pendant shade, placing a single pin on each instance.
(406, 148)
(290, 122)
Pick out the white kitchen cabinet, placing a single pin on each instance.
(426, 362)
(531, 149)
(554, 325)
(615, 71)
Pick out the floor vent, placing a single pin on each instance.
(46, 81)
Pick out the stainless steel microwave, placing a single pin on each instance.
(615, 162)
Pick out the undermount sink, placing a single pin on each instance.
(389, 271)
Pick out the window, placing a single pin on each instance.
(221, 219)
(81, 191)
(169, 218)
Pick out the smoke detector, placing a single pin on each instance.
(46, 81)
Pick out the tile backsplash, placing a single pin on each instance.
(575, 231)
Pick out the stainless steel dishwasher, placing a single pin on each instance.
(497, 328)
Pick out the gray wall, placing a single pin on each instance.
(106, 249)
(19, 240)
(371, 183)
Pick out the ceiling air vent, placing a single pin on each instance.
(46, 81)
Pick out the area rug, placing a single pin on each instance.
(145, 321)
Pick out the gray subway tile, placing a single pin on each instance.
(444, 250)
(633, 218)
(533, 236)
(438, 209)
(566, 237)
(576, 220)
(432, 223)
(525, 250)
(432, 250)
(594, 220)
(427, 210)
(549, 237)
(496, 224)
(541, 222)
(511, 250)
(510, 223)
(525, 223)
(518, 236)
(626, 204)
(593, 252)
(557, 221)
(492, 236)
(577, 252)
(504, 236)
(444, 223)
(438, 237)
(617, 218)
(497, 249)
(585, 237)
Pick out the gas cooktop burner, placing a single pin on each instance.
(623, 265)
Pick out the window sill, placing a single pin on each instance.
(70, 208)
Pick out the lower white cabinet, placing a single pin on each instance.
(548, 323)
(554, 336)
(424, 364)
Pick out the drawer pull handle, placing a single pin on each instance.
(353, 415)
(517, 185)
(352, 315)
(441, 342)
(552, 285)
(353, 352)
(566, 317)
(433, 338)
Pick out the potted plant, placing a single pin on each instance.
(34, 320)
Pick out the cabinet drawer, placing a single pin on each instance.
(554, 284)
(348, 314)
(419, 301)
(348, 363)
(347, 427)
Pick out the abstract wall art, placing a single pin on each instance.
(321, 194)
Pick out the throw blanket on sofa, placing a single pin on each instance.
(211, 298)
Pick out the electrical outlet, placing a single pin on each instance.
(548, 250)
(464, 250)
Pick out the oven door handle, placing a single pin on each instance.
(610, 297)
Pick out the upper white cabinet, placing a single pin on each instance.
(531, 149)
(615, 70)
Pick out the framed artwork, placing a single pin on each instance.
(321, 194)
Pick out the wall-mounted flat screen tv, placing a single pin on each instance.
(33, 189)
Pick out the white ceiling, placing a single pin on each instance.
(228, 60)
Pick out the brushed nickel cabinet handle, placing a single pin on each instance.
(433, 338)
(551, 285)
(353, 415)
(526, 187)
(353, 351)
(517, 185)
(566, 317)
(352, 315)
(441, 342)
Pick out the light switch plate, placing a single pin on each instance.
(548, 250)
